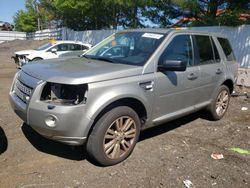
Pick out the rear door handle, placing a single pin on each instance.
(218, 71)
(192, 76)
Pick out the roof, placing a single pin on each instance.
(150, 30)
(69, 41)
(191, 30)
(174, 30)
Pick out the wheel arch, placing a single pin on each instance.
(230, 84)
(131, 102)
(40, 58)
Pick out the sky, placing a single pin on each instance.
(8, 8)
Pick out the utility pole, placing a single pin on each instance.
(38, 17)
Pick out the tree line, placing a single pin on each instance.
(112, 14)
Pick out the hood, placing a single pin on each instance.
(25, 52)
(79, 70)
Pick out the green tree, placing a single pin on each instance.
(109, 14)
(98, 14)
(25, 22)
(35, 16)
(162, 12)
(216, 12)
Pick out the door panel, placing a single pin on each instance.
(211, 66)
(176, 92)
(211, 77)
(61, 49)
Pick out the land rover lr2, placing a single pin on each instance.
(130, 81)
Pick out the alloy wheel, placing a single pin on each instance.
(119, 137)
(222, 102)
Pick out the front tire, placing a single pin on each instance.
(114, 136)
(219, 106)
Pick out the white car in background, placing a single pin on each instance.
(50, 50)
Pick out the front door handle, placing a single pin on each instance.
(192, 76)
(218, 71)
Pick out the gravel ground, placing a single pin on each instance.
(164, 157)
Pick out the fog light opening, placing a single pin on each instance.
(27, 98)
(50, 121)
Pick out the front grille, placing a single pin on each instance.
(22, 91)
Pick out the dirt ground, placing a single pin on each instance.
(164, 157)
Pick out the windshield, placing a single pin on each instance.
(133, 48)
(45, 46)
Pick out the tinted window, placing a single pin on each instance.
(74, 47)
(216, 53)
(85, 47)
(227, 49)
(205, 49)
(180, 48)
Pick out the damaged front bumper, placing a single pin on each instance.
(64, 123)
(20, 60)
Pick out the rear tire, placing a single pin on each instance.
(114, 136)
(219, 105)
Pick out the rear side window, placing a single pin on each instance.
(180, 49)
(74, 47)
(205, 49)
(62, 47)
(227, 49)
(216, 53)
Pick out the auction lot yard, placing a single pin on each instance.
(165, 156)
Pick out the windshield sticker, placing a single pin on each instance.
(152, 35)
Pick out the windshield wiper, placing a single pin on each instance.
(106, 59)
(85, 56)
(100, 58)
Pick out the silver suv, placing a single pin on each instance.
(130, 81)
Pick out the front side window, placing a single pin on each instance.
(76, 47)
(205, 49)
(62, 47)
(132, 48)
(227, 49)
(180, 49)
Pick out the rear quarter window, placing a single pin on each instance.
(227, 49)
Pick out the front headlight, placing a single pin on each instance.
(64, 94)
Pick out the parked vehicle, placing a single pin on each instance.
(72, 54)
(5, 26)
(50, 50)
(131, 81)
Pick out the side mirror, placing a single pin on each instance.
(54, 50)
(172, 65)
